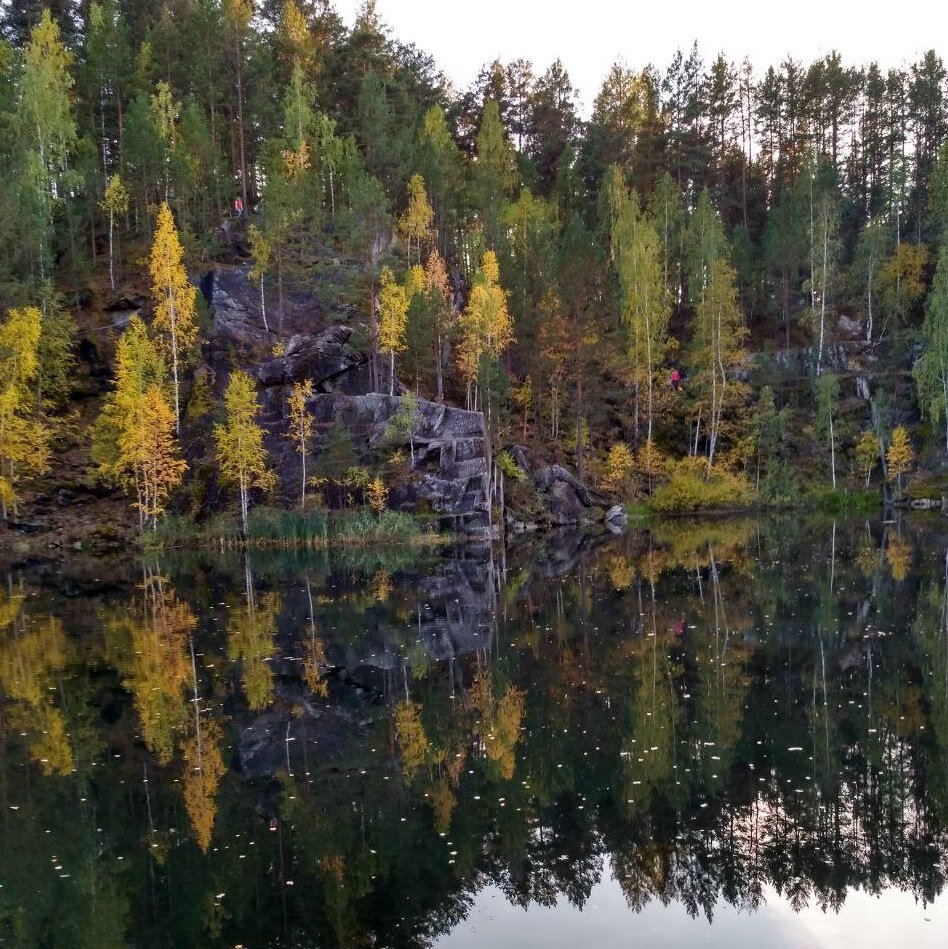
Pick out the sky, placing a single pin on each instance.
(590, 35)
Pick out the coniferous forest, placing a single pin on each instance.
(727, 286)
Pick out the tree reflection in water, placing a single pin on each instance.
(284, 750)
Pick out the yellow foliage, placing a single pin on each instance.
(900, 455)
(175, 297)
(377, 495)
(898, 553)
(393, 313)
(692, 487)
(115, 199)
(618, 466)
(486, 325)
(33, 654)
(251, 632)
(154, 662)
(381, 586)
(203, 770)
(24, 439)
(621, 573)
(867, 453)
(415, 223)
(413, 744)
(240, 450)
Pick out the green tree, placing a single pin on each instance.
(46, 135)
(931, 370)
(115, 201)
(240, 450)
(645, 309)
(716, 352)
(493, 175)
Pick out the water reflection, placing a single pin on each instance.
(298, 750)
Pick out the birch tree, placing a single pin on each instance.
(240, 450)
(175, 297)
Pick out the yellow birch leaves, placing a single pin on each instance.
(175, 297)
(135, 443)
(24, 439)
(486, 326)
(240, 450)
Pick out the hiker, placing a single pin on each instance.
(674, 379)
(238, 207)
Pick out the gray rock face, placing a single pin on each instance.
(325, 358)
(450, 471)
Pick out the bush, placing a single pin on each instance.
(691, 488)
(509, 467)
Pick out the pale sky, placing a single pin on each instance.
(589, 35)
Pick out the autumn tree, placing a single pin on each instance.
(485, 326)
(301, 427)
(134, 442)
(899, 457)
(24, 438)
(393, 319)
(175, 298)
(415, 223)
(150, 641)
(240, 449)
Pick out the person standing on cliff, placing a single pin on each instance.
(238, 207)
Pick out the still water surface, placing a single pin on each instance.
(724, 733)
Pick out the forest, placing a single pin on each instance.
(727, 286)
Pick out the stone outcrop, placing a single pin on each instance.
(325, 358)
(566, 500)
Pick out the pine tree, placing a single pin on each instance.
(176, 299)
(931, 370)
(240, 449)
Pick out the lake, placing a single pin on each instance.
(728, 732)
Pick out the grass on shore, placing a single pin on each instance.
(286, 528)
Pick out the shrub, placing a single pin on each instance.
(691, 488)
(509, 467)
